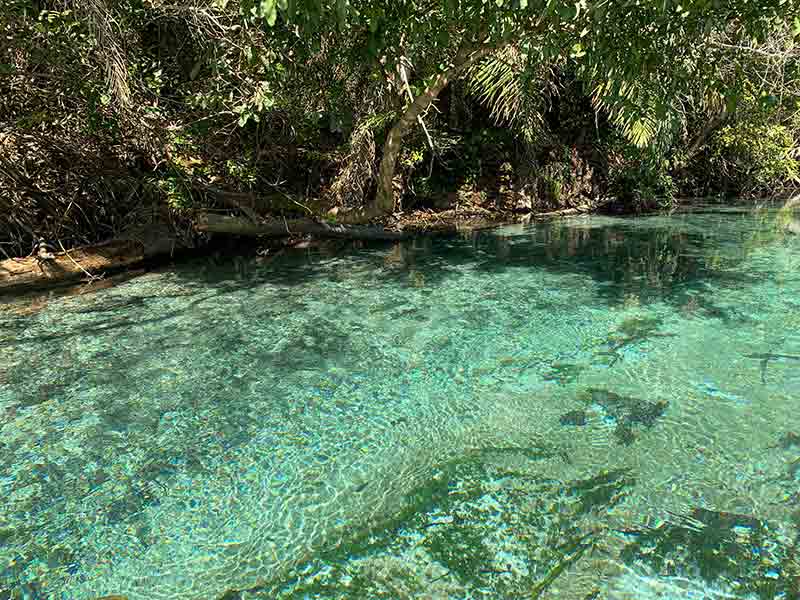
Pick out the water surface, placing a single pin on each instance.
(599, 408)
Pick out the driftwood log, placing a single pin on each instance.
(214, 223)
(65, 267)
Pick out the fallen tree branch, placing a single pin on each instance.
(232, 199)
(213, 223)
(566, 212)
(32, 272)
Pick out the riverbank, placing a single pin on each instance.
(92, 265)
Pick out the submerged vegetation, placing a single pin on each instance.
(140, 118)
(604, 408)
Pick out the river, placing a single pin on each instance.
(594, 408)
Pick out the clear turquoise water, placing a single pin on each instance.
(599, 408)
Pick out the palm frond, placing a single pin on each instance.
(637, 111)
(513, 88)
(496, 82)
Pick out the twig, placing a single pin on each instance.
(566, 562)
(785, 54)
(300, 204)
(440, 577)
(89, 275)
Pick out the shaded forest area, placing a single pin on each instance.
(162, 121)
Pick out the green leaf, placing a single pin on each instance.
(341, 12)
(269, 11)
(567, 12)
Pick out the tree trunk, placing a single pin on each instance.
(384, 202)
(236, 226)
(391, 149)
(31, 272)
(699, 143)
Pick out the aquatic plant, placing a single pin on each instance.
(625, 412)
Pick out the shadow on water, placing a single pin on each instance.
(664, 261)
(487, 523)
(488, 504)
(100, 326)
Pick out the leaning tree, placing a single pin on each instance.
(637, 54)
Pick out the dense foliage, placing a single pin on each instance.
(116, 115)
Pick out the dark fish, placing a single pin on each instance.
(624, 434)
(765, 358)
(646, 413)
(627, 412)
(574, 417)
(770, 356)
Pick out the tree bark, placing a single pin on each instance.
(31, 272)
(384, 202)
(236, 226)
(699, 143)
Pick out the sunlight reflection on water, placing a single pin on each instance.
(464, 417)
